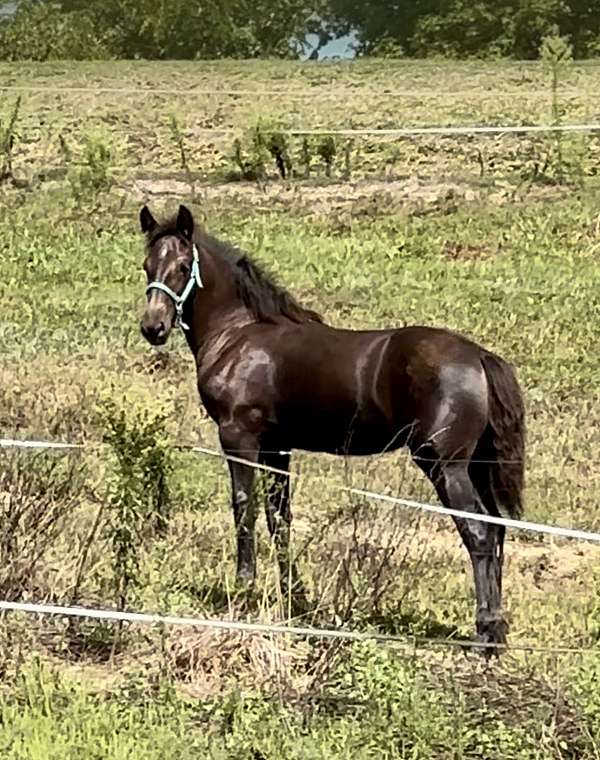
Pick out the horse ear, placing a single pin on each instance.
(147, 221)
(185, 222)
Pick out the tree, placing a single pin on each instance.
(467, 27)
(195, 29)
(163, 29)
(379, 20)
(41, 31)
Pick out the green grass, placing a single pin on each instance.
(513, 265)
(376, 705)
(335, 95)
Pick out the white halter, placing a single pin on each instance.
(179, 300)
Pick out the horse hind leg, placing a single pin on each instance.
(452, 430)
(479, 472)
(484, 543)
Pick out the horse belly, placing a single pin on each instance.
(346, 403)
(335, 430)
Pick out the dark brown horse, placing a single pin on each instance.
(274, 377)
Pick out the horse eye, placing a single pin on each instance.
(184, 269)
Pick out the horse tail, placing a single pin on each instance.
(498, 464)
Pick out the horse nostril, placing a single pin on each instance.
(148, 330)
(153, 331)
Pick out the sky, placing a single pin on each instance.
(339, 47)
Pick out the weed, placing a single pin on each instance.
(262, 142)
(251, 154)
(39, 496)
(564, 159)
(348, 146)
(96, 172)
(138, 494)
(306, 157)
(65, 149)
(277, 145)
(327, 150)
(8, 136)
(179, 139)
(556, 54)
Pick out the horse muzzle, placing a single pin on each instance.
(155, 328)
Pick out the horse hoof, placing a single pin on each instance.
(492, 631)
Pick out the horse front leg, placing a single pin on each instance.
(239, 444)
(279, 520)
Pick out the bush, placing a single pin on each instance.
(260, 145)
(138, 493)
(96, 172)
(8, 135)
(39, 493)
(179, 29)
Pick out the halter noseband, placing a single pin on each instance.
(179, 300)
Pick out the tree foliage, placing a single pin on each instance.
(155, 29)
(512, 28)
(200, 29)
(41, 31)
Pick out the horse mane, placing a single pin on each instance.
(261, 295)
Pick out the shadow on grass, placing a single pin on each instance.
(413, 624)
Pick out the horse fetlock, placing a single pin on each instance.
(241, 498)
(246, 574)
(492, 628)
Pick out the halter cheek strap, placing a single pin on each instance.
(179, 300)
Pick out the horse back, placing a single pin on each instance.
(365, 391)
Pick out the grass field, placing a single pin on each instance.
(498, 238)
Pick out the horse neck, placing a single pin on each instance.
(216, 307)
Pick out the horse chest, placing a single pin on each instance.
(225, 385)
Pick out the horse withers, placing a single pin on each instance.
(274, 377)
